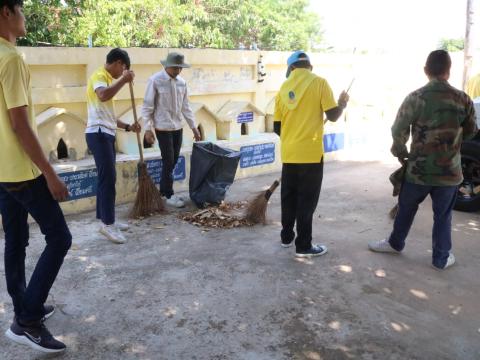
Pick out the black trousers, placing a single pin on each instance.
(301, 184)
(170, 143)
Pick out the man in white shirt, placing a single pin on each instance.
(165, 105)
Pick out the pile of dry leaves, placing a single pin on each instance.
(225, 215)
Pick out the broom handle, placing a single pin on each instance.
(271, 189)
(135, 118)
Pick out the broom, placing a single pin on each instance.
(148, 200)
(397, 178)
(257, 209)
(393, 212)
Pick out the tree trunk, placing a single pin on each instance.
(469, 40)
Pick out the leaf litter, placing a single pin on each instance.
(223, 216)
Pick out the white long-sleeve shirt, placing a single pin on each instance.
(166, 103)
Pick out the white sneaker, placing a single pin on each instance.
(450, 262)
(112, 233)
(175, 201)
(122, 226)
(382, 246)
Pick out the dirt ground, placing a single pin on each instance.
(175, 291)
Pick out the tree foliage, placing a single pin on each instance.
(451, 44)
(50, 21)
(227, 24)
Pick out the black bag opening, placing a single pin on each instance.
(212, 171)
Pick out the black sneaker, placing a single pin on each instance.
(286, 244)
(316, 250)
(35, 335)
(48, 311)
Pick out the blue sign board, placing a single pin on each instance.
(80, 184)
(245, 117)
(333, 142)
(154, 168)
(256, 155)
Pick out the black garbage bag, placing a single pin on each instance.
(212, 171)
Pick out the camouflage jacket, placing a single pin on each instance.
(438, 117)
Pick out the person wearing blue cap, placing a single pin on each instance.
(298, 119)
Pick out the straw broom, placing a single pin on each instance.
(397, 178)
(148, 200)
(257, 209)
(393, 212)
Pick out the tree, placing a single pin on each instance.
(269, 24)
(470, 37)
(451, 44)
(50, 22)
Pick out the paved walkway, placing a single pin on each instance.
(176, 292)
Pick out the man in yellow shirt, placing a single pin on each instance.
(28, 185)
(100, 135)
(473, 87)
(298, 118)
(473, 90)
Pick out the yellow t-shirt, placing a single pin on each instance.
(101, 115)
(15, 91)
(299, 106)
(473, 87)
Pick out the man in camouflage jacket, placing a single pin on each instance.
(438, 117)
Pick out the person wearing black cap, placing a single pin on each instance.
(100, 135)
(165, 105)
(298, 119)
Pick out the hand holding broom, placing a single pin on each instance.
(257, 209)
(148, 200)
(343, 99)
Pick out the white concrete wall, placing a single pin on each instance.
(60, 75)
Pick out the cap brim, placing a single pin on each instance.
(166, 64)
(289, 70)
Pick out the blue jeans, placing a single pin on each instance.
(17, 200)
(102, 146)
(443, 199)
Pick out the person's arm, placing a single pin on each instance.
(401, 128)
(327, 101)
(190, 117)
(335, 113)
(277, 127)
(108, 92)
(277, 116)
(136, 127)
(469, 125)
(29, 142)
(148, 110)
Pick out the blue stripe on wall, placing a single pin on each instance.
(333, 142)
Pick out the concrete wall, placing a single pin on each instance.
(60, 75)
